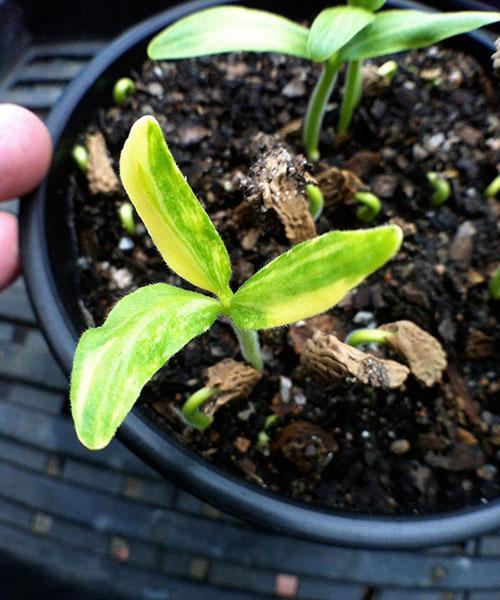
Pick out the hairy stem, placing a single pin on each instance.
(191, 409)
(249, 346)
(352, 94)
(317, 106)
(367, 336)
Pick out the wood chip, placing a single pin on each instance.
(307, 447)
(234, 379)
(300, 332)
(423, 353)
(363, 163)
(101, 176)
(331, 360)
(339, 185)
(277, 182)
(479, 345)
(242, 444)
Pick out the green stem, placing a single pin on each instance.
(442, 188)
(367, 336)
(352, 94)
(494, 285)
(191, 409)
(249, 346)
(317, 106)
(371, 206)
(316, 200)
(493, 189)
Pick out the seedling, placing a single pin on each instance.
(359, 337)
(493, 189)
(341, 35)
(126, 215)
(123, 89)
(370, 209)
(388, 70)
(494, 285)
(113, 362)
(316, 200)
(81, 157)
(191, 409)
(263, 438)
(441, 187)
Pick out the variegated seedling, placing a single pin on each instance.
(113, 362)
(341, 35)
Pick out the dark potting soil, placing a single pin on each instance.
(413, 450)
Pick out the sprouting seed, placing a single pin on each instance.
(493, 189)
(371, 206)
(123, 89)
(81, 157)
(126, 215)
(441, 187)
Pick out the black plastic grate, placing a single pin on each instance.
(107, 521)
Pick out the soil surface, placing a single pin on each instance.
(351, 447)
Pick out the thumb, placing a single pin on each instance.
(25, 151)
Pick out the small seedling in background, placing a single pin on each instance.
(113, 362)
(263, 438)
(370, 209)
(191, 409)
(341, 35)
(123, 89)
(494, 285)
(81, 157)
(493, 189)
(126, 215)
(316, 200)
(359, 337)
(442, 189)
(388, 70)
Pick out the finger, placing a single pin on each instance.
(25, 151)
(9, 249)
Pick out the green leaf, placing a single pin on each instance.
(229, 29)
(312, 277)
(113, 362)
(398, 30)
(176, 221)
(371, 5)
(333, 28)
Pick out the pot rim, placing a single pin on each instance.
(155, 446)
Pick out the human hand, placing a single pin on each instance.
(25, 155)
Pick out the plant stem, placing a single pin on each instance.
(370, 209)
(316, 200)
(442, 189)
(317, 106)
(493, 189)
(367, 336)
(249, 346)
(191, 409)
(352, 94)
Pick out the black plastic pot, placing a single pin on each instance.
(49, 264)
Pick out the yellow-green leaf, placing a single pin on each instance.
(372, 5)
(113, 362)
(333, 28)
(399, 30)
(229, 29)
(176, 221)
(312, 277)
